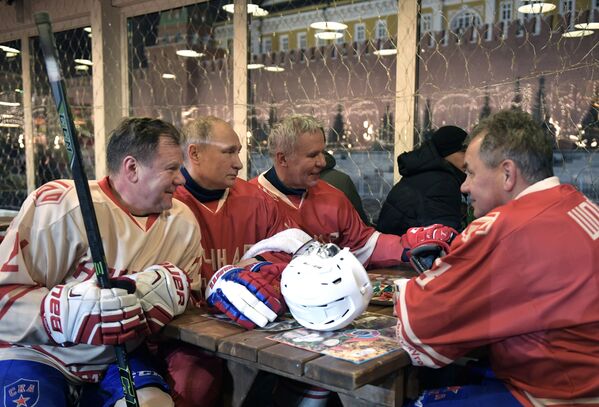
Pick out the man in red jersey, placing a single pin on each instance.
(521, 279)
(232, 213)
(296, 146)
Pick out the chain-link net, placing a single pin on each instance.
(473, 64)
(13, 183)
(475, 57)
(50, 155)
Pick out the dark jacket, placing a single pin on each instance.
(344, 183)
(427, 193)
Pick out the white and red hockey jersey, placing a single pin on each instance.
(522, 280)
(46, 245)
(243, 216)
(326, 213)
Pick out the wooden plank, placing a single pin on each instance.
(246, 345)
(207, 334)
(188, 318)
(286, 358)
(347, 375)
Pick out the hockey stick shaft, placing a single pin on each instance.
(48, 45)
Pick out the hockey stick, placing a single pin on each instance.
(48, 45)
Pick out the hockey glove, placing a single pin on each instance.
(163, 291)
(427, 240)
(249, 296)
(85, 313)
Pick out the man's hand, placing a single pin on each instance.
(85, 313)
(428, 239)
(163, 291)
(249, 296)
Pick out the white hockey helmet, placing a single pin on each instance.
(325, 287)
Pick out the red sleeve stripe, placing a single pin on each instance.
(10, 293)
(420, 353)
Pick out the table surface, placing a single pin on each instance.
(252, 349)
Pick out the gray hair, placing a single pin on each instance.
(514, 135)
(284, 134)
(199, 131)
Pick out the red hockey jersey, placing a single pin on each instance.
(324, 212)
(235, 222)
(522, 280)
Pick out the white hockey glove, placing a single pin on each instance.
(287, 241)
(85, 313)
(163, 291)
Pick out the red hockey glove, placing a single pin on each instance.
(249, 296)
(163, 291)
(85, 313)
(427, 238)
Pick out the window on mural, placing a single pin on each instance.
(360, 33)
(464, 20)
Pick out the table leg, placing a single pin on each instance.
(390, 392)
(243, 377)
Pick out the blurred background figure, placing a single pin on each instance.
(429, 190)
(344, 183)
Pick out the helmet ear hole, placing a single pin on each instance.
(326, 289)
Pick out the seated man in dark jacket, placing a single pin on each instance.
(429, 190)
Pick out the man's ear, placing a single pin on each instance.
(130, 168)
(193, 152)
(510, 174)
(281, 159)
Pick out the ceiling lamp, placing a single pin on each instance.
(274, 68)
(81, 68)
(168, 76)
(383, 52)
(82, 61)
(328, 25)
(9, 49)
(189, 53)
(587, 26)
(577, 33)
(87, 29)
(535, 7)
(12, 104)
(255, 66)
(328, 35)
(252, 9)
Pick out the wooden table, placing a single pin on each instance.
(379, 382)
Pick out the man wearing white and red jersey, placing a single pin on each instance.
(232, 213)
(45, 264)
(521, 279)
(296, 146)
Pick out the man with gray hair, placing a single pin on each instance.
(521, 279)
(296, 146)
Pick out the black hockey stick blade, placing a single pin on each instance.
(48, 45)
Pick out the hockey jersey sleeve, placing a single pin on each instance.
(36, 253)
(372, 248)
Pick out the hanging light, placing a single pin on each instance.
(383, 52)
(577, 33)
(328, 35)
(9, 49)
(82, 61)
(255, 66)
(535, 7)
(587, 26)
(274, 68)
(189, 53)
(252, 9)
